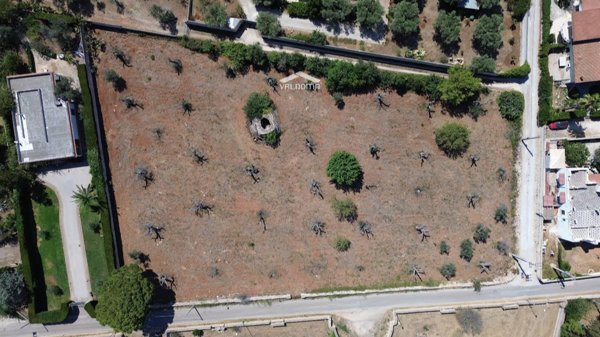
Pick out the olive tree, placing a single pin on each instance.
(576, 154)
(405, 19)
(452, 138)
(460, 87)
(487, 37)
(448, 270)
(447, 29)
(369, 13)
(268, 24)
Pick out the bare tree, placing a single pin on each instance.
(315, 188)
(310, 145)
(416, 272)
(474, 158)
(430, 108)
(317, 227)
(472, 199)
(120, 55)
(166, 281)
(200, 208)
(374, 150)
(380, 102)
(252, 171)
(502, 175)
(130, 102)
(484, 266)
(120, 6)
(423, 231)
(365, 228)
(176, 65)
(143, 174)
(158, 133)
(424, 156)
(187, 107)
(261, 215)
(272, 83)
(199, 156)
(154, 232)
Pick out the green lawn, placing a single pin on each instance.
(51, 250)
(94, 248)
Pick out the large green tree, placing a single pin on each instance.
(123, 299)
(487, 37)
(343, 169)
(369, 13)
(405, 19)
(447, 28)
(13, 294)
(460, 87)
(268, 24)
(336, 10)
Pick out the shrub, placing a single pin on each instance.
(470, 321)
(444, 248)
(342, 244)
(271, 138)
(118, 82)
(517, 72)
(198, 333)
(501, 214)
(483, 64)
(487, 37)
(448, 270)
(45, 235)
(503, 247)
(466, 250)
(576, 154)
(256, 105)
(13, 294)
(56, 290)
(405, 19)
(577, 308)
(268, 24)
(482, 233)
(511, 104)
(339, 99)
(519, 7)
(344, 209)
(95, 227)
(447, 28)
(165, 18)
(299, 10)
(315, 37)
(476, 286)
(344, 169)
(215, 15)
(64, 89)
(369, 13)
(452, 138)
(200, 46)
(460, 87)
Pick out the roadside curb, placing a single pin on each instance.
(225, 301)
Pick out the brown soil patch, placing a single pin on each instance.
(432, 48)
(308, 329)
(536, 321)
(288, 257)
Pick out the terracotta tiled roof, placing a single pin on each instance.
(562, 198)
(561, 179)
(590, 4)
(594, 178)
(586, 61)
(548, 200)
(585, 25)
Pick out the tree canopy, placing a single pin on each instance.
(257, 105)
(13, 294)
(405, 19)
(452, 138)
(123, 299)
(576, 154)
(483, 64)
(268, 24)
(487, 37)
(369, 13)
(460, 87)
(511, 104)
(344, 169)
(336, 10)
(447, 28)
(347, 78)
(215, 15)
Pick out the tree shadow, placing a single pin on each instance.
(576, 129)
(411, 41)
(158, 320)
(587, 247)
(39, 194)
(83, 7)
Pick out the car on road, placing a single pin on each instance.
(558, 125)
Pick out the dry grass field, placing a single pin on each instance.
(537, 321)
(288, 256)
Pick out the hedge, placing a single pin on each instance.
(545, 113)
(93, 157)
(31, 264)
(517, 72)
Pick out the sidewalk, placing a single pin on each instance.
(64, 181)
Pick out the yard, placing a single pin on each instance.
(232, 8)
(305, 329)
(94, 247)
(227, 251)
(433, 51)
(45, 210)
(535, 321)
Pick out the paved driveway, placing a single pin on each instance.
(583, 129)
(64, 181)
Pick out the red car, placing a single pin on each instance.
(559, 125)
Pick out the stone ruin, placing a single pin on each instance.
(267, 123)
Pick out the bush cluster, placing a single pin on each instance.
(316, 37)
(576, 154)
(258, 105)
(517, 72)
(511, 105)
(344, 209)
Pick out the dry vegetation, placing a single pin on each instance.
(227, 252)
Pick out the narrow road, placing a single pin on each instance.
(64, 181)
(158, 320)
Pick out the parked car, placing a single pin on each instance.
(558, 125)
